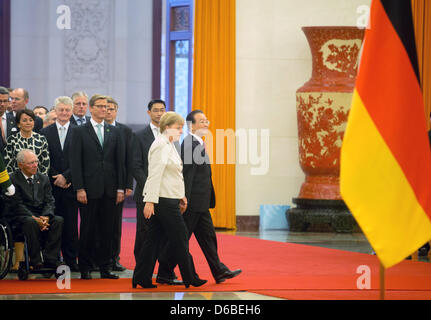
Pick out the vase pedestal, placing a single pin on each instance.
(311, 215)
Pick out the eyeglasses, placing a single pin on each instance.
(158, 110)
(111, 109)
(16, 99)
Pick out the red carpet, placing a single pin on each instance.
(277, 269)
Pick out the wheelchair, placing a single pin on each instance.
(8, 236)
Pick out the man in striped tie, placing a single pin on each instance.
(80, 106)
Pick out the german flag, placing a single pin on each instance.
(385, 170)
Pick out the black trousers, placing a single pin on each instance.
(66, 206)
(167, 222)
(49, 240)
(201, 224)
(95, 243)
(142, 227)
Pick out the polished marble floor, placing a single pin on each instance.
(350, 242)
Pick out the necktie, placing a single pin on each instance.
(82, 120)
(30, 183)
(62, 136)
(99, 133)
(78, 121)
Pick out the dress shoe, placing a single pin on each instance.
(36, 267)
(172, 282)
(116, 266)
(227, 275)
(143, 285)
(197, 282)
(86, 275)
(52, 264)
(108, 275)
(423, 251)
(74, 267)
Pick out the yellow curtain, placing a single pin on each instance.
(214, 94)
(422, 22)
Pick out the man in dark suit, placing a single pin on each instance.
(4, 103)
(126, 137)
(141, 145)
(98, 178)
(200, 194)
(32, 209)
(80, 106)
(59, 136)
(19, 98)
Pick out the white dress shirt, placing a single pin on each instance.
(4, 124)
(201, 141)
(83, 119)
(156, 130)
(102, 129)
(165, 172)
(66, 126)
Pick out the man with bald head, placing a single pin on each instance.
(19, 98)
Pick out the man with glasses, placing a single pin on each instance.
(200, 195)
(32, 210)
(97, 168)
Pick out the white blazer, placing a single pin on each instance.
(165, 172)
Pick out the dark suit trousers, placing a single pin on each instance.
(201, 224)
(95, 242)
(167, 222)
(66, 206)
(49, 240)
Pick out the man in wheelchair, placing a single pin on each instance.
(31, 210)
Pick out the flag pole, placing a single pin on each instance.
(382, 281)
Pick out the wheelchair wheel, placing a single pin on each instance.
(6, 250)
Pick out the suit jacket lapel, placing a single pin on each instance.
(107, 135)
(55, 134)
(68, 136)
(27, 187)
(92, 133)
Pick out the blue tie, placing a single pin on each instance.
(99, 133)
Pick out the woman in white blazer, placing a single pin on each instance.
(165, 201)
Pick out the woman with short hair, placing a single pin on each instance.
(26, 138)
(165, 201)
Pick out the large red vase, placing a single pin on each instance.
(323, 105)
